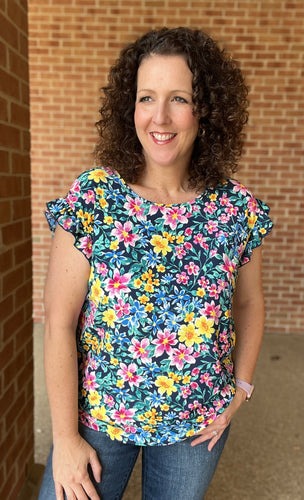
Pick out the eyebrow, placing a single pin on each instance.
(171, 91)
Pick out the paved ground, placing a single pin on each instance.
(264, 455)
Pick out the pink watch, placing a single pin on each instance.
(245, 386)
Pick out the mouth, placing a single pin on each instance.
(163, 138)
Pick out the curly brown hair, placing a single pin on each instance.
(219, 98)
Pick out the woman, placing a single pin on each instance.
(156, 264)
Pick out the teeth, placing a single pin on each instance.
(163, 137)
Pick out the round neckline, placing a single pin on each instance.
(147, 201)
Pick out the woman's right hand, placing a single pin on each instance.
(71, 457)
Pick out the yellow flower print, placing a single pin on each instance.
(149, 307)
(213, 197)
(98, 175)
(99, 413)
(96, 291)
(149, 288)
(137, 283)
(189, 317)
(189, 335)
(169, 236)
(174, 377)
(263, 230)
(164, 407)
(252, 220)
(105, 299)
(186, 379)
(114, 361)
(108, 220)
(190, 433)
(200, 292)
(180, 239)
(109, 317)
(147, 276)
(114, 432)
(161, 245)
(108, 346)
(165, 384)
(114, 245)
(103, 203)
(143, 299)
(120, 383)
(94, 398)
(204, 326)
(160, 268)
(100, 191)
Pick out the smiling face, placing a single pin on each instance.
(164, 119)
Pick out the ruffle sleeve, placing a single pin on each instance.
(259, 225)
(75, 214)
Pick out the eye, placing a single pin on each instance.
(145, 98)
(180, 99)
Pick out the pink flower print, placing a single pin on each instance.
(90, 382)
(203, 282)
(194, 386)
(86, 246)
(71, 199)
(218, 404)
(174, 215)
(181, 355)
(223, 337)
(211, 226)
(180, 252)
(238, 187)
(224, 218)
(213, 291)
(129, 429)
(228, 266)
(89, 197)
(188, 231)
(192, 268)
(67, 223)
(117, 285)
(139, 349)
(122, 232)
(109, 401)
(252, 205)
(184, 415)
(206, 379)
(165, 340)
(128, 373)
(221, 285)
(102, 268)
(226, 391)
(75, 186)
(182, 278)
(231, 210)
(134, 207)
(188, 245)
(212, 311)
(217, 367)
(195, 372)
(199, 239)
(224, 200)
(195, 405)
(210, 207)
(122, 308)
(185, 391)
(123, 414)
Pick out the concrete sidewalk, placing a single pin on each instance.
(264, 455)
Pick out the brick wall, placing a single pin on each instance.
(73, 43)
(16, 362)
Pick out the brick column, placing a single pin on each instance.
(16, 358)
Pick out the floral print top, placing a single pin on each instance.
(155, 333)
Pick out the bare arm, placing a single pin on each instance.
(65, 291)
(248, 313)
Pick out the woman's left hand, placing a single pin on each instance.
(217, 427)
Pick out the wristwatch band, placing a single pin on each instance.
(245, 386)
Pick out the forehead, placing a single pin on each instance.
(164, 69)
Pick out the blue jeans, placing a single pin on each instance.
(173, 472)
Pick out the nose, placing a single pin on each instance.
(161, 113)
